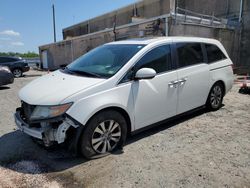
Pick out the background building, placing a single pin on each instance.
(225, 20)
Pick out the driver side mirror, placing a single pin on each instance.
(145, 73)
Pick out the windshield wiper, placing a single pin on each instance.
(85, 73)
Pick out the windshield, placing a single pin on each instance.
(104, 61)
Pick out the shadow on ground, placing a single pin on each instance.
(16, 147)
(4, 87)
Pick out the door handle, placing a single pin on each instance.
(170, 84)
(182, 81)
(173, 84)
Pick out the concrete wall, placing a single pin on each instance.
(245, 38)
(216, 7)
(228, 9)
(237, 42)
(145, 9)
(64, 52)
(225, 36)
(152, 8)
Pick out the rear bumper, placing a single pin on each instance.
(7, 79)
(26, 69)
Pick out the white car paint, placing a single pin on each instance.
(54, 87)
(145, 101)
(194, 87)
(150, 95)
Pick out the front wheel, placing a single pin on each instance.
(215, 97)
(104, 133)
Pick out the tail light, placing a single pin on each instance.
(6, 69)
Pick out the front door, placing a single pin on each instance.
(155, 99)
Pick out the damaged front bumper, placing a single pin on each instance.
(46, 131)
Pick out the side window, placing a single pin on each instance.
(9, 59)
(128, 77)
(214, 53)
(158, 59)
(189, 54)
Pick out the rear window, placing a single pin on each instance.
(3, 60)
(214, 53)
(7, 59)
(11, 59)
(189, 54)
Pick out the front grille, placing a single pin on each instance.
(26, 111)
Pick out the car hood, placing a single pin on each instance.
(53, 88)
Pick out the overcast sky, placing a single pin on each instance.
(27, 24)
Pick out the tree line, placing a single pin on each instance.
(23, 55)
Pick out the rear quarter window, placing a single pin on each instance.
(214, 53)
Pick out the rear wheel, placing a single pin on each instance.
(215, 97)
(104, 133)
(17, 73)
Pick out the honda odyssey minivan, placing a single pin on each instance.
(123, 87)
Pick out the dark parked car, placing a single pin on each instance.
(16, 65)
(6, 77)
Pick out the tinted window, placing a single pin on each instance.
(214, 53)
(158, 59)
(3, 60)
(189, 54)
(7, 59)
(128, 77)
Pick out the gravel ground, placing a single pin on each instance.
(205, 149)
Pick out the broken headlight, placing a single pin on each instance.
(47, 112)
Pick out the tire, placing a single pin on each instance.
(17, 73)
(215, 97)
(104, 133)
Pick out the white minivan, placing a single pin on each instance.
(123, 87)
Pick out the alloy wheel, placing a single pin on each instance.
(216, 97)
(106, 136)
